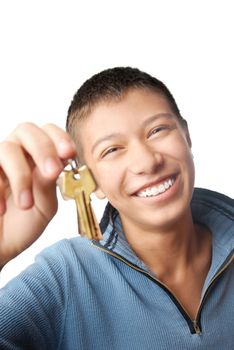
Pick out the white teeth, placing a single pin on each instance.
(148, 192)
(155, 190)
(161, 188)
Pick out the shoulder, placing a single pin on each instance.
(216, 211)
(59, 267)
(71, 249)
(205, 200)
(74, 256)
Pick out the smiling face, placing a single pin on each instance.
(140, 155)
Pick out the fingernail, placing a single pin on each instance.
(25, 199)
(52, 166)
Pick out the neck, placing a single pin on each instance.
(171, 251)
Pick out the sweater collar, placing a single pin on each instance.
(114, 238)
(209, 208)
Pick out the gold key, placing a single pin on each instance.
(78, 184)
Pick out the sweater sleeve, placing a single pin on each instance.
(33, 305)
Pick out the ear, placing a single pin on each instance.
(99, 194)
(186, 132)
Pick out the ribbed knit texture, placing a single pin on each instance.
(77, 296)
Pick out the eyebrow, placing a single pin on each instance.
(144, 124)
(155, 117)
(105, 138)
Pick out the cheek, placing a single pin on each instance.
(180, 149)
(187, 162)
(106, 177)
(181, 152)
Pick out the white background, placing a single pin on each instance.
(49, 47)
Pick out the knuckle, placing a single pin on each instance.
(44, 147)
(20, 131)
(23, 178)
(49, 126)
(20, 179)
(24, 127)
(54, 131)
(6, 146)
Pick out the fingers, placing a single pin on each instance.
(29, 147)
(17, 174)
(47, 146)
(65, 147)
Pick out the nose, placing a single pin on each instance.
(143, 159)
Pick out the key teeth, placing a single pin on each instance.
(96, 234)
(80, 190)
(93, 231)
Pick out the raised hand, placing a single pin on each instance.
(31, 158)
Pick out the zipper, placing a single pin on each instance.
(194, 325)
(197, 325)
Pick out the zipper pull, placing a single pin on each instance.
(197, 327)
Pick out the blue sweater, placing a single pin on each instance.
(88, 295)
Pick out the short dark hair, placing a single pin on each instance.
(112, 84)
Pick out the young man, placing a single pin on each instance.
(162, 276)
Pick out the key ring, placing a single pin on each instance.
(74, 165)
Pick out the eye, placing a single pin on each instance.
(158, 130)
(109, 151)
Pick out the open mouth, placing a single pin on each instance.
(157, 189)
